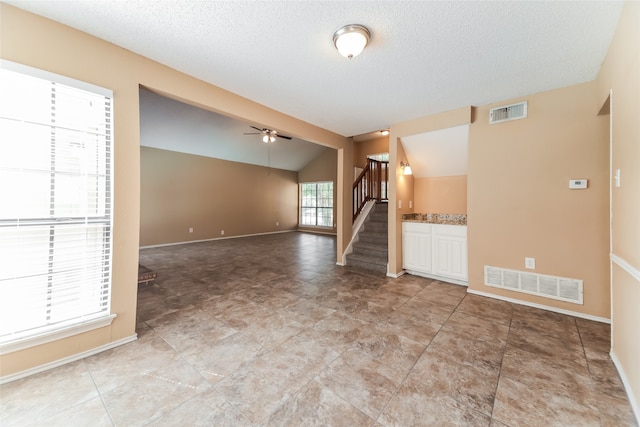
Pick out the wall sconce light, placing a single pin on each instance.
(406, 169)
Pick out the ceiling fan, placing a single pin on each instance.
(268, 135)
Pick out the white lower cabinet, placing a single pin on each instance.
(435, 250)
(416, 247)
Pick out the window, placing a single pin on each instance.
(383, 157)
(55, 204)
(316, 204)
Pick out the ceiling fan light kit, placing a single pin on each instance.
(268, 135)
(351, 40)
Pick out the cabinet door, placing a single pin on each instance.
(450, 256)
(416, 251)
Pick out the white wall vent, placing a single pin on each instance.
(560, 288)
(508, 112)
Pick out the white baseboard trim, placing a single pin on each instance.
(540, 306)
(56, 363)
(313, 231)
(161, 245)
(622, 263)
(396, 275)
(627, 386)
(440, 278)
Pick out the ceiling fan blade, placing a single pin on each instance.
(252, 133)
(258, 129)
(283, 136)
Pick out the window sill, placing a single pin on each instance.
(55, 335)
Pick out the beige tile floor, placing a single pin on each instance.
(269, 331)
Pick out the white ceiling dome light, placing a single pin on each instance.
(351, 40)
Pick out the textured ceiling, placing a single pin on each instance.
(424, 57)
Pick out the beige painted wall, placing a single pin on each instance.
(322, 168)
(443, 194)
(179, 191)
(519, 203)
(362, 149)
(401, 187)
(620, 73)
(31, 40)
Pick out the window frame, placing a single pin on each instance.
(53, 331)
(316, 205)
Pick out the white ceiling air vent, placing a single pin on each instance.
(508, 112)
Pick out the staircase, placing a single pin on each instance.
(371, 184)
(370, 248)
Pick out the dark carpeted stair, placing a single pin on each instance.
(370, 249)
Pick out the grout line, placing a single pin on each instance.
(504, 350)
(393, 395)
(168, 380)
(104, 404)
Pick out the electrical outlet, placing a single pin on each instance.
(399, 204)
(530, 263)
(190, 229)
(222, 232)
(277, 223)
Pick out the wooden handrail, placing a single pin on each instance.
(371, 184)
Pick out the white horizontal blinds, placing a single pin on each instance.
(308, 200)
(55, 203)
(325, 204)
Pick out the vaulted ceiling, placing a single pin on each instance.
(171, 125)
(424, 57)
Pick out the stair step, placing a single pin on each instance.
(375, 231)
(373, 238)
(367, 264)
(379, 245)
(371, 251)
(375, 226)
(382, 220)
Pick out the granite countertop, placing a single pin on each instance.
(439, 218)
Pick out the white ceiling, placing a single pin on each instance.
(424, 57)
(172, 125)
(438, 153)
